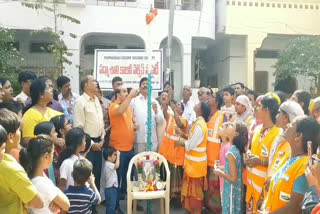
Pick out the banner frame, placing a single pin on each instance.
(96, 69)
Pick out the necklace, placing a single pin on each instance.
(40, 108)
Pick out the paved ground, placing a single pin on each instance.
(155, 208)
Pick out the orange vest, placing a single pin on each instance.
(257, 175)
(282, 149)
(244, 171)
(196, 159)
(174, 155)
(279, 195)
(213, 147)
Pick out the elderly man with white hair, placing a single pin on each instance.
(188, 112)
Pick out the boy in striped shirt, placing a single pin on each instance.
(82, 198)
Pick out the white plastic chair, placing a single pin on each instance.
(133, 195)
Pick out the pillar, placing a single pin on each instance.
(72, 71)
(253, 42)
(186, 68)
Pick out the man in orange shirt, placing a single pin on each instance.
(122, 133)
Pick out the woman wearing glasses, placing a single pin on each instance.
(288, 185)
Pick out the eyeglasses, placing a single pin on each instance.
(42, 136)
(315, 159)
(228, 125)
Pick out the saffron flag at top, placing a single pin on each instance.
(131, 65)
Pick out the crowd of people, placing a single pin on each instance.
(233, 152)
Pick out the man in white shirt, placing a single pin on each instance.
(25, 79)
(204, 94)
(88, 115)
(188, 113)
(139, 106)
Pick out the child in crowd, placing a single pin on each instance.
(62, 126)
(89, 143)
(232, 174)
(111, 191)
(228, 108)
(47, 128)
(35, 159)
(75, 142)
(11, 122)
(17, 191)
(224, 134)
(82, 198)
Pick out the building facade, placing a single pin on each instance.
(225, 41)
(250, 34)
(112, 24)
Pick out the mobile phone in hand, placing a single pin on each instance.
(309, 153)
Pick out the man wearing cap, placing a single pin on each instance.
(288, 111)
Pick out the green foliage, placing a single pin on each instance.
(58, 48)
(301, 57)
(10, 58)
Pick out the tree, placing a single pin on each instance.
(10, 57)
(301, 57)
(58, 48)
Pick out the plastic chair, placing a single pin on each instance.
(134, 195)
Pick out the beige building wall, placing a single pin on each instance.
(256, 19)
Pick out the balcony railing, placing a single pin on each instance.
(194, 5)
(285, 4)
(160, 4)
(180, 4)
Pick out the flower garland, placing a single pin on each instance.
(154, 185)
